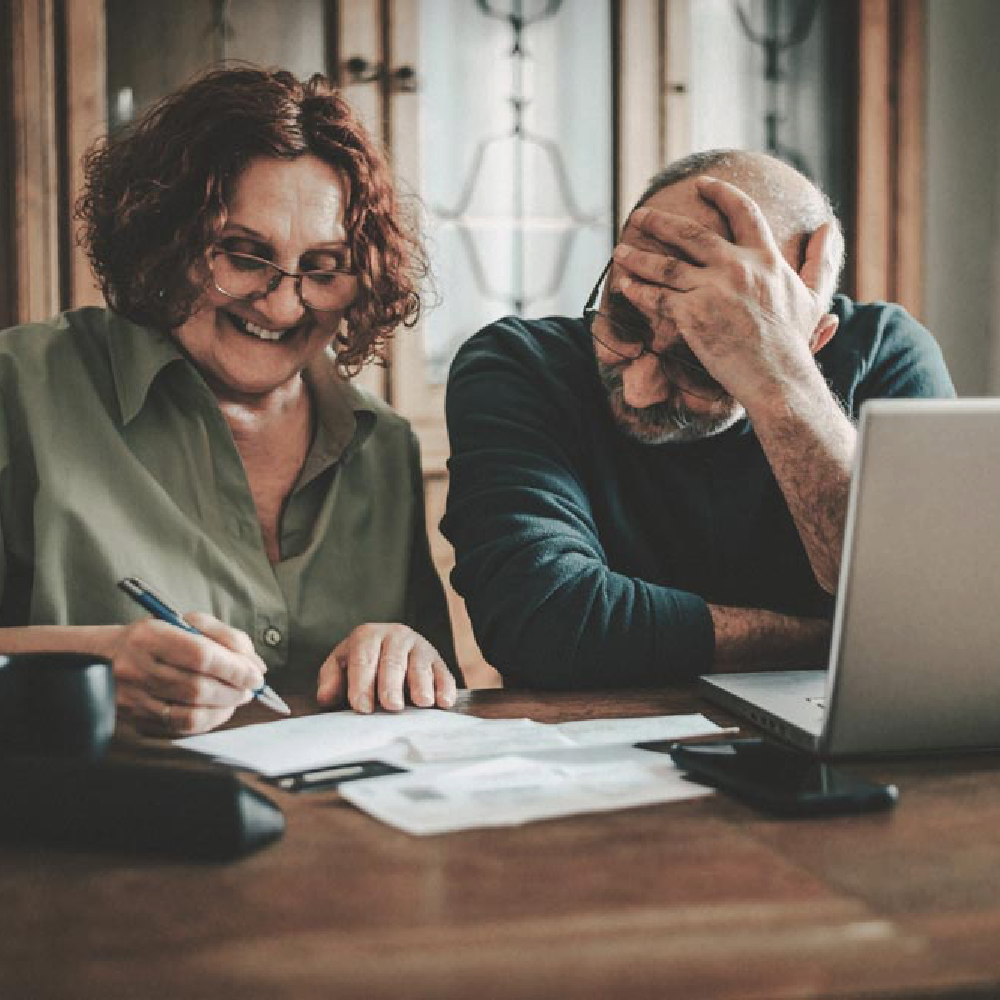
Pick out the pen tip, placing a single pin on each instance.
(273, 701)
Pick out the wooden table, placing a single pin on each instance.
(697, 899)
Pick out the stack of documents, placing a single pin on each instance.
(465, 772)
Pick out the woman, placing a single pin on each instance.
(200, 434)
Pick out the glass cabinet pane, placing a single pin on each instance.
(775, 76)
(516, 160)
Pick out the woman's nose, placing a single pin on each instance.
(282, 305)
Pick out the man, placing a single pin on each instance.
(658, 489)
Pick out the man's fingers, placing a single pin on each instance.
(653, 301)
(657, 268)
(746, 220)
(676, 234)
(819, 267)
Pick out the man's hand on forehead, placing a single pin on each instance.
(743, 310)
(658, 234)
(655, 230)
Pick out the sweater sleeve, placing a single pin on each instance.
(547, 610)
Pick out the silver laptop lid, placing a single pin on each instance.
(915, 655)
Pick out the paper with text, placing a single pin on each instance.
(512, 790)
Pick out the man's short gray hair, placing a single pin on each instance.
(793, 210)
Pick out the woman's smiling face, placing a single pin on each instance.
(289, 212)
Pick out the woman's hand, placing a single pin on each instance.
(381, 662)
(171, 681)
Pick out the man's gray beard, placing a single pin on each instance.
(666, 422)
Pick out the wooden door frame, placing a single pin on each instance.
(886, 259)
(55, 106)
(8, 236)
(33, 159)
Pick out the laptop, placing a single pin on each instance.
(915, 654)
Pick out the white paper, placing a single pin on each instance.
(512, 790)
(599, 732)
(491, 737)
(315, 740)
(418, 736)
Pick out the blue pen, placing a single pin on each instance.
(144, 595)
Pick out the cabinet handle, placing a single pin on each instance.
(359, 70)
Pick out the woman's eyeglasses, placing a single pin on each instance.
(245, 278)
(628, 339)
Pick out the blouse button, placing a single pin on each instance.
(272, 637)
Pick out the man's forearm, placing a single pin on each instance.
(809, 442)
(751, 638)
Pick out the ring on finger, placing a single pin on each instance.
(165, 714)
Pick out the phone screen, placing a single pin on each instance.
(778, 778)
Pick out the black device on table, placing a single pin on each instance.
(778, 779)
(59, 787)
(331, 776)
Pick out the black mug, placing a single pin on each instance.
(56, 703)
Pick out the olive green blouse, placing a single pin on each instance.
(115, 460)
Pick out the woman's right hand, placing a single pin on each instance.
(169, 681)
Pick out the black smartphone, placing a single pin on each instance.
(778, 779)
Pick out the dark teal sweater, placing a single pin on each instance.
(587, 559)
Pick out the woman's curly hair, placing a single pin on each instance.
(155, 199)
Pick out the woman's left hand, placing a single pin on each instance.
(380, 663)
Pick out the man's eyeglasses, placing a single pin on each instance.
(245, 278)
(629, 338)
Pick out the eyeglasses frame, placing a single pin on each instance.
(275, 280)
(699, 372)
